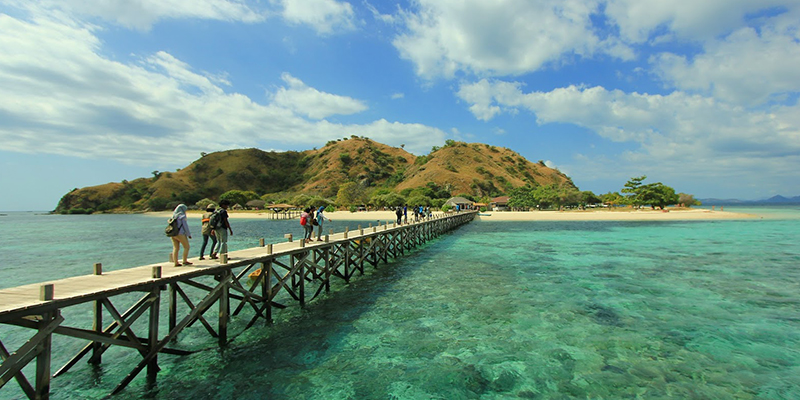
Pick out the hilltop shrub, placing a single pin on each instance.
(80, 211)
(202, 204)
(157, 203)
(238, 196)
(419, 200)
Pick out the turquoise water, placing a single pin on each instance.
(38, 247)
(495, 310)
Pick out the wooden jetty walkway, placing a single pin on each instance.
(279, 273)
(285, 214)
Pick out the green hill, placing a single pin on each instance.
(457, 168)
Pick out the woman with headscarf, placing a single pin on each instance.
(183, 236)
(320, 219)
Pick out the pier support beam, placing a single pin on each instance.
(152, 335)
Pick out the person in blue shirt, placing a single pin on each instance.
(320, 219)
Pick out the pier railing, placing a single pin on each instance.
(258, 280)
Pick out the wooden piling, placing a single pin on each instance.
(46, 292)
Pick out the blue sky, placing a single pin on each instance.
(699, 95)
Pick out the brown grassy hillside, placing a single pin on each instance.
(356, 159)
(459, 168)
(479, 169)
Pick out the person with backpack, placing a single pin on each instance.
(320, 219)
(208, 232)
(183, 236)
(307, 222)
(221, 226)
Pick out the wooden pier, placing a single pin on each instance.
(285, 214)
(258, 280)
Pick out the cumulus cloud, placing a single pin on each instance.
(747, 67)
(693, 131)
(644, 20)
(59, 95)
(311, 102)
(506, 37)
(142, 14)
(325, 16)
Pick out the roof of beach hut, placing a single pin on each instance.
(281, 205)
(458, 200)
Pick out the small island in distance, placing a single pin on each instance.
(356, 171)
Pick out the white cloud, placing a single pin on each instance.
(692, 132)
(385, 18)
(504, 37)
(325, 16)
(59, 96)
(312, 103)
(142, 14)
(639, 20)
(745, 67)
(396, 96)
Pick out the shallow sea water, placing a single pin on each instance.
(541, 310)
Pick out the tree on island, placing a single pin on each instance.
(613, 199)
(551, 196)
(239, 197)
(350, 194)
(688, 200)
(653, 194)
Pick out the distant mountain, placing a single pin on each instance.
(455, 168)
(781, 199)
(778, 199)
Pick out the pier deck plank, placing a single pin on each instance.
(74, 289)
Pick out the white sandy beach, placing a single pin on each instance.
(572, 215)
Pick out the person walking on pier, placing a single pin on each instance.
(208, 232)
(399, 212)
(305, 221)
(183, 236)
(223, 228)
(320, 218)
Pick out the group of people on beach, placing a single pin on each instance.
(309, 218)
(217, 233)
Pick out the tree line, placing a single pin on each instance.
(635, 193)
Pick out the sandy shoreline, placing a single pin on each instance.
(588, 215)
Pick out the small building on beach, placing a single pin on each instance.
(499, 203)
(460, 202)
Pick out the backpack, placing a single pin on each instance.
(172, 228)
(303, 221)
(215, 220)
